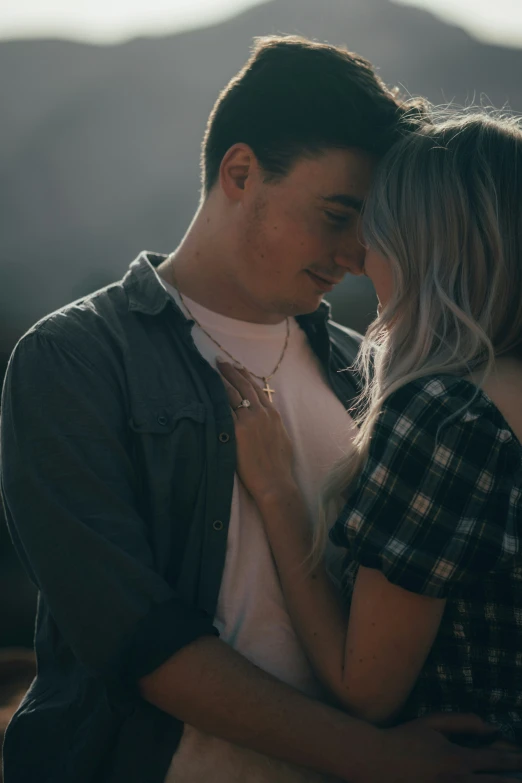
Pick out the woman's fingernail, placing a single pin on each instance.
(238, 366)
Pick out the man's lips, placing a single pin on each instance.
(322, 282)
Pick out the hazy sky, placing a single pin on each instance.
(115, 20)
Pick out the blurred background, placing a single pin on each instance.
(103, 106)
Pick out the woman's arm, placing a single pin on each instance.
(371, 662)
(432, 512)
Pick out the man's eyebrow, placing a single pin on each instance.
(345, 201)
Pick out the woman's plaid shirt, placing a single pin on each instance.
(438, 510)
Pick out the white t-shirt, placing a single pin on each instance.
(251, 615)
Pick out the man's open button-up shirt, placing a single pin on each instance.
(118, 463)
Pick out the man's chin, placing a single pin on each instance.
(304, 307)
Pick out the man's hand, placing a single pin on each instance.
(418, 752)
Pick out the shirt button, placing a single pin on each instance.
(217, 524)
(162, 420)
(224, 437)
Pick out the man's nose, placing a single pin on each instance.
(351, 258)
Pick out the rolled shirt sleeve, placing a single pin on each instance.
(70, 493)
(439, 500)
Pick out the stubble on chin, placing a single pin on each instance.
(293, 307)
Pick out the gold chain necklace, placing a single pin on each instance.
(265, 378)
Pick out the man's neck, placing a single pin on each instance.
(198, 270)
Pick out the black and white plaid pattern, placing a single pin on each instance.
(438, 510)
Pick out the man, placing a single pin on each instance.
(165, 652)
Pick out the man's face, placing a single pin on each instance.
(300, 236)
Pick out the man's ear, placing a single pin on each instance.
(238, 165)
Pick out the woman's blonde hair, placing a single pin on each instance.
(446, 211)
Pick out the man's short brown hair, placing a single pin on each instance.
(296, 97)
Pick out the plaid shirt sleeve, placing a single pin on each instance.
(439, 500)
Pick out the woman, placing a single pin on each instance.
(432, 519)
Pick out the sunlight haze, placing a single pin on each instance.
(112, 21)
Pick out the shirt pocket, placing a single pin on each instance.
(169, 437)
(169, 456)
(161, 417)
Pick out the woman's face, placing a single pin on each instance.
(379, 270)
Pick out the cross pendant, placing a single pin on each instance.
(268, 391)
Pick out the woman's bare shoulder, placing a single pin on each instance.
(504, 387)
